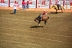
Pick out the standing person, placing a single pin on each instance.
(27, 4)
(43, 2)
(42, 14)
(23, 4)
(15, 6)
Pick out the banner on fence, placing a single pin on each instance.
(32, 3)
(39, 3)
(70, 2)
(43, 3)
(67, 4)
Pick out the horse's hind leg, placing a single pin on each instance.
(61, 10)
(39, 22)
(45, 22)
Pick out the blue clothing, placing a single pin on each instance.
(14, 11)
(27, 6)
(24, 6)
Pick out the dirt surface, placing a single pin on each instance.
(21, 31)
(35, 9)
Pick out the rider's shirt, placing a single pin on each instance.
(44, 13)
(15, 6)
(58, 2)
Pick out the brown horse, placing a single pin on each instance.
(44, 18)
(56, 8)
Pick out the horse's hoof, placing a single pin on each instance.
(39, 24)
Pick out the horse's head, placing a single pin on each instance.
(37, 19)
(53, 6)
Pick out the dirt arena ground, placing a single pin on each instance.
(20, 31)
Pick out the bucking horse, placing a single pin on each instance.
(44, 18)
(56, 7)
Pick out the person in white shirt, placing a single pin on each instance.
(58, 2)
(15, 7)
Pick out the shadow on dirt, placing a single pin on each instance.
(54, 12)
(36, 26)
(11, 13)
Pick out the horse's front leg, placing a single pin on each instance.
(56, 11)
(39, 22)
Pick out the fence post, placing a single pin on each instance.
(36, 3)
(8, 3)
(50, 4)
(63, 2)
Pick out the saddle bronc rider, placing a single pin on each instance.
(42, 14)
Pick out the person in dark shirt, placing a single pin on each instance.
(27, 4)
(23, 4)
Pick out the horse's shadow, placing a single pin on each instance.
(55, 12)
(11, 13)
(36, 26)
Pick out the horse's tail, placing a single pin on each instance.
(47, 18)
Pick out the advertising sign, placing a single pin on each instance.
(61, 2)
(43, 3)
(39, 3)
(4, 4)
(53, 2)
(67, 4)
(32, 3)
(70, 2)
(0, 1)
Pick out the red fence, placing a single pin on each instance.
(43, 3)
(70, 3)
